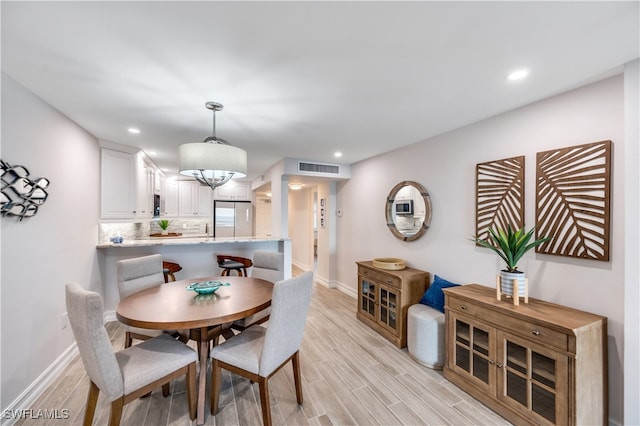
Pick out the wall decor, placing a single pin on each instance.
(322, 222)
(408, 211)
(20, 196)
(499, 195)
(573, 188)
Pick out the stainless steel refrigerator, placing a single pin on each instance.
(232, 219)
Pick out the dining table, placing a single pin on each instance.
(172, 306)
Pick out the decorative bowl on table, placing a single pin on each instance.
(389, 263)
(206, 287)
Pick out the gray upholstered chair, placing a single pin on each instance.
(135, 275)
(267, 265)
(259, 352)
(132, 372)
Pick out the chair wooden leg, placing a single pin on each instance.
(191, 390)
(216, 382)
(128, 340)
(116, 411)
(92, 400)
(264, 401)
(296, 376)
(166, 389)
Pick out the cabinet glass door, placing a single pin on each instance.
(388, 307)
(532, 379)
(472, 354)
(368, 297)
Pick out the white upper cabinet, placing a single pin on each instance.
(128, 182)
(233, 190)
(194, 200)
(146, 176)
(118, 181)
(170, 199)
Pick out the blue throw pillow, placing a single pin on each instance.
(434, 296)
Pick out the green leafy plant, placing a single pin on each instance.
(510, 245)
(163, 223)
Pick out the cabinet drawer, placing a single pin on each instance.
(380, 277)
(529, 330)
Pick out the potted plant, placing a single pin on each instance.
(511, 245)
(164, 225)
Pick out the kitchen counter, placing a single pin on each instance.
(196, 255)
(188, 240)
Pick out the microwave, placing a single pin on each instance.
(404, 207)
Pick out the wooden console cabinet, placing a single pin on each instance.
(385, 296)
(536, 363)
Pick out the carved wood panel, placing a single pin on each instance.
(499, 195)
(573, 200)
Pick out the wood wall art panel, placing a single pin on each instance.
(499, 195)
(573, 188)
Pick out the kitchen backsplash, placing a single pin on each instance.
(142, 230)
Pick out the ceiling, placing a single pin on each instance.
(304, 79)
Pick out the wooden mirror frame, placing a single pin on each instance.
(389, 211)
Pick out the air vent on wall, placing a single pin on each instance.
(318, 168)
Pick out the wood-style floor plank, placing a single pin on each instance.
(350, 376)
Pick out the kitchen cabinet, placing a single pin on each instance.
(170, 199)
(536, 363)
(194, 200)
(145, 188)
(384, 298)
(118, 184)
(233, 190)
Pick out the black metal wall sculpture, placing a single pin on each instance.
(21, 196)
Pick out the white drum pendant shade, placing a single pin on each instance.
(215, 160)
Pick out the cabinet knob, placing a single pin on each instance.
(535, 332)
(463, 307)
(491, 362)
(499, 365)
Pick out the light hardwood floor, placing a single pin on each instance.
(351, 376)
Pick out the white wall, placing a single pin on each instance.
(301, 227)
(445, 165)
(41, 254)
(632, 244)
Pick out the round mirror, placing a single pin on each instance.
(408, 210)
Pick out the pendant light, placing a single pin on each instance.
(213, 162)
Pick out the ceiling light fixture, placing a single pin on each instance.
(133, 130)
(295, 186)
(213, 162)
(337, 154)
(518, 74)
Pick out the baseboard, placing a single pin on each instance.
(26, 399)
(346, 289)
(109, 316)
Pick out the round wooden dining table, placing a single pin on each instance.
(172, 307)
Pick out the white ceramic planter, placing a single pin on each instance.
(506, 282)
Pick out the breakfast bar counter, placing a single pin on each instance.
(185, 241)
(196, 255)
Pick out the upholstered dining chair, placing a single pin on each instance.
(259, 352)
(134, 275)
(267, 265)
(132, 372)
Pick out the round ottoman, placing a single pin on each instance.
(425, 335)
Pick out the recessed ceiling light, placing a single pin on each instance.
(133, 130)
(295, 186)
(518, 74)
(337, 154)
